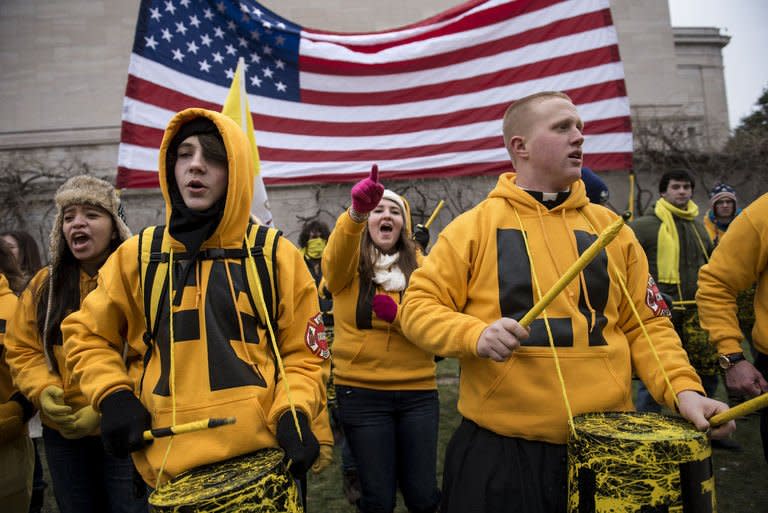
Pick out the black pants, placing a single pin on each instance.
(489, 473)
(761, 364)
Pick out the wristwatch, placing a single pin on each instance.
(727, 361)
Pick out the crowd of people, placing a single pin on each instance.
(122, 339)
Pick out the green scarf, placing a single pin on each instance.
(668, 249)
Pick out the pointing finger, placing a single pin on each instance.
(375, 173)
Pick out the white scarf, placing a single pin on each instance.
(388, 274)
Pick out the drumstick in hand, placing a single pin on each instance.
(189, 427)
(740, 410)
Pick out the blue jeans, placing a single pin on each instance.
(88, 480)
(393, 435)
(645, 402)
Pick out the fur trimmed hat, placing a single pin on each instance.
(85, 190)
(721, 191)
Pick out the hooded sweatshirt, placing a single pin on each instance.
(8, 303)
(740, 260)
(367, 351)
(222, 362)
(481, 270)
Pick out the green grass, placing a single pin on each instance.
(740, 478)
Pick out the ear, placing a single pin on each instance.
(518, 147)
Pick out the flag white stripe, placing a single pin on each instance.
(567, 45)
(158, 73)
(143, 158)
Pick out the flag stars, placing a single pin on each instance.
(281, 25)
(218, 32)
(181, 28)
(244, 8)
(267, 50)
(217, 57)
(154, 13)
(178, 55)
(194, 21)
(205, 40)
(267, 72)
(230, 73)
(255, 57)
(207, 14)
(231, 25)
(255, 35)
(256, 81)
(151, 43)
(242, 42)
(257, 12)
(281, 87)
(221, 7)
(267, 25)
(167, 35)
(192, 47)
(279, 64)
(185, 3)
(230, 50)
(169, 7)
(280, 40)
(204, 66)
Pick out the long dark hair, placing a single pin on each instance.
(66, 292)
(29, 254)
(369, 253)
(10, 268)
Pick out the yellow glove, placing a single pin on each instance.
(11, 421)
(53, 406)
(324, 459)
(86, 422)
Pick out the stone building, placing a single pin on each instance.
(65, 68)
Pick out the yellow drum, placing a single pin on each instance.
(638, 463)
(256, 482)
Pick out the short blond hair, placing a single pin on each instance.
(516, 116)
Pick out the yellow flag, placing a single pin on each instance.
(236, 108)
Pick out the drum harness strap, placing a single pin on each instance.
(259, 256)
(627, 295)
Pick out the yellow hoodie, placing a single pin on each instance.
(739, 260)
(480, 270)
(367, 351)
(8, 303)
(217, 373)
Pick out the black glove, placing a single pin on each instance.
(302, 454)
(123, 421)
(421, 235)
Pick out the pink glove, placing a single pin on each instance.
(367, 193)
(384, 307)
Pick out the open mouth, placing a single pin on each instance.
(576, 154)
(79, 240)
(386, 228)
(196, 185)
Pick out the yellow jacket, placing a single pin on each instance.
(378, 356)
(479, 271)
(739, 260)
(31, 370)
(223, 363)
(8, 302)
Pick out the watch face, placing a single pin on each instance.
(724, 362)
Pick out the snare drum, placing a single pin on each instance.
(639, 462)
(256, 482)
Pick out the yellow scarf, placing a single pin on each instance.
(314, 249)
(668, 248)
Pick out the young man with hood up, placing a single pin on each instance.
(487, 269)
(220, 361)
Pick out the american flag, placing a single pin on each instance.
(424, 100)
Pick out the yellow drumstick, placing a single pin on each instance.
(189, 427)
(745, 408)
(434, 215)
(605, 237)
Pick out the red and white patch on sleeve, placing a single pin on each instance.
(655, 301)
(314, 337)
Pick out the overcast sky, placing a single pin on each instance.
(745, 59)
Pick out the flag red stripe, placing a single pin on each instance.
(165, 98)
(151, 137)
(559, 28)
(480, 82)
